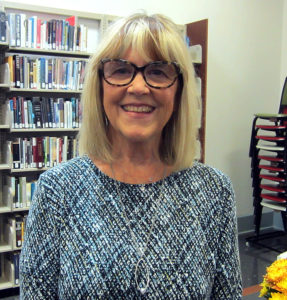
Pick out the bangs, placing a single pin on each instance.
(147, 37)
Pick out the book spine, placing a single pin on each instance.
(17, 71)
(38, 35)
(3, 27)
(18, 230)
(12, 29)
(18, 30)
(23, 30)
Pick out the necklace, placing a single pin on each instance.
(140, 250)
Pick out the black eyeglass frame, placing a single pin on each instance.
(140, 69)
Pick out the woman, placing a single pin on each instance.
(134, 217)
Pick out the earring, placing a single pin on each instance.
(106, 121)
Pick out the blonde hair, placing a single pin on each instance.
(155, 38)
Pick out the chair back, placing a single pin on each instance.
(283, 101)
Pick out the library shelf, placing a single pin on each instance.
(44, 130)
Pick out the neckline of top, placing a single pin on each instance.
(112, 180)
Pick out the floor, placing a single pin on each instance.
(254, 260)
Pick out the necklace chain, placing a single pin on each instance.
(140, 250)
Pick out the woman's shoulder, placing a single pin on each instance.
(70, 171)
(203, 175)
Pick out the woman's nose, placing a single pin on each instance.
(138, 85)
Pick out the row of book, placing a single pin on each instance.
(19, 190)
(33, 72)
(43, 112)
(54, 34)
(39, 152)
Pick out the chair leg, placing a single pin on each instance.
(257, 217)
(284, 220)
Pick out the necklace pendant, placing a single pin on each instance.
(146, 273)
(143, 290)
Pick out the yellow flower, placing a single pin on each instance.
(276, 272)
(282, 285)
(264, 289)
(277, 296)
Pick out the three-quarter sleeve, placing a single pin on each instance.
(39, 260)
(227, 284)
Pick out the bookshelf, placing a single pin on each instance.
(197, 33)
(64, 40)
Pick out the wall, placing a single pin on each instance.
(244, 70)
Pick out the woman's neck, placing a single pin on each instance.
(135, 163)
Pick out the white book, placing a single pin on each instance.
(83, 40)
(26, 118)
(23, 200)
(65, 148)
(23, 30)
(66, 114)
(12, 29)
(29, 34)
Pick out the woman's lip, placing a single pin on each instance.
(138, 108)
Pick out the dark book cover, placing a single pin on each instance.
(16, 259)
(18, 229)
(3, 27)
(50, 73)
(21, 71)
(37, 109)
(53, 34)
(17, 70)
(52, 112)
(78, 38)
(16, 153)
(43, 73)
(15, 117)
(40, 152)
(71, 32)
(46, 114)
(50, 30)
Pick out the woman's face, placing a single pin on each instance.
(137, 112)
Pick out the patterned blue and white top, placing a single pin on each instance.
(78, 244)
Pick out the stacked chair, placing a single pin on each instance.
(268, 152)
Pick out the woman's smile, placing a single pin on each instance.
(138, 108)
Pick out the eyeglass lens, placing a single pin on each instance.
(157, 74)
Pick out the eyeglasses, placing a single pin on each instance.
(157, 74)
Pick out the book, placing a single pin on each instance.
(37, 110)
(16, 58)
(18, 29)
(18, 230)
(12, 29)
(16, 153)
(3, 27)
(16, 259)
(23, 30)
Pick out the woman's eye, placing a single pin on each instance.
(156, 72)
(122, 71)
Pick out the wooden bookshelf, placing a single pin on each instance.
(198, 35)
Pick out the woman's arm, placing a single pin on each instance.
(40, 255)
(227, 284)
